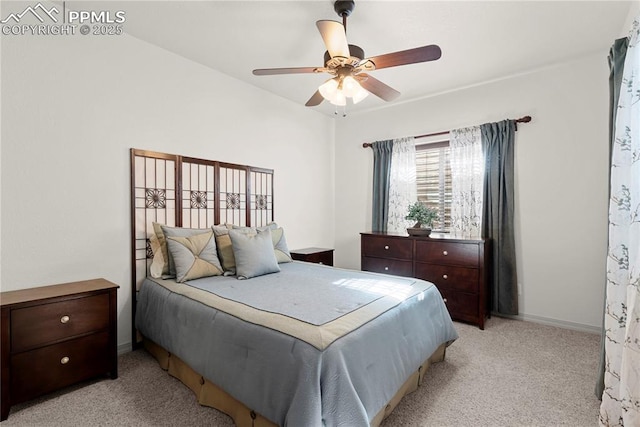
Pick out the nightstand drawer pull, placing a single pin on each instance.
(445, 253)
(386, 247)
(386, 269)
(445, 300)
(445, 277)
(64, 319)
(64, 360)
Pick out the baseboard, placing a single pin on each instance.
(124, 348)
(555, 322)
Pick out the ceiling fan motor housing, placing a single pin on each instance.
(354, 51)
(344, 7)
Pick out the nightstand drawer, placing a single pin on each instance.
(387, 266)
(459, 278)
(325, 258)
(387, 247)
(464, 254)
(49, 368)
(47, 323)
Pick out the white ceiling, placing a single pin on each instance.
(480, 40)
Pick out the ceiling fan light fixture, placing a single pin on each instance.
(360, 94)
(329, 89)
(349, 86)
(337, 92)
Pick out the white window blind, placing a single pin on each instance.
(433, 178)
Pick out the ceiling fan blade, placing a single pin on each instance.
(316, 99)
(377, 88)
(409, 56)
(272, 71)
(335, 39)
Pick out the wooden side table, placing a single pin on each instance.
(55, 336)
(316, 255)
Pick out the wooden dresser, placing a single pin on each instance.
(459, 268)
(55, 336)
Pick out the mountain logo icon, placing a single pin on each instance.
(38, 11)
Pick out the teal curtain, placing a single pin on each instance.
(497, 216)
(382, 151)
(617, 55)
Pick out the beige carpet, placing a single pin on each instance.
(513, 373)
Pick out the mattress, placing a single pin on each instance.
(311, 345)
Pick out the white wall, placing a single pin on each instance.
(561, 178)
(634, 13)
(72, 109)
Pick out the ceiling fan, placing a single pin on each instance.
(348, 65)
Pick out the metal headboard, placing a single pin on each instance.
(188, 192)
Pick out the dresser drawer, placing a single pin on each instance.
(388, 266)
(387, 247)
(47, 323)
(42, 370)
(451, 253)
(461, 305)
(459, 278)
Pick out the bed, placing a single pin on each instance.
(305, 344)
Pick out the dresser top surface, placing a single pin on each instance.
(432, 237)
(44, 292)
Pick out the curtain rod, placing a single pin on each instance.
(525, 119)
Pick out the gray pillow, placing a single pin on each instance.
(225, 250)
(194, 256)
(253, 253)
(179, 232)
(277, 237)
(280, 246)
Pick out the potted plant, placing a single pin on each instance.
(424, 217)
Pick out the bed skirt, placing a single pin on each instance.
(209, 394)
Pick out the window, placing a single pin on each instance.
(433, 178)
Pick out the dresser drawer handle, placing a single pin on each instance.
(445, 300)
(445, 253)
(386, 248)
(64, 360)
(64, 319)
(386, 269)
(445, 277)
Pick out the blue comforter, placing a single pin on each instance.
(308, 346)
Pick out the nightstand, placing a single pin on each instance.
(316, 255)
(55, 336)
